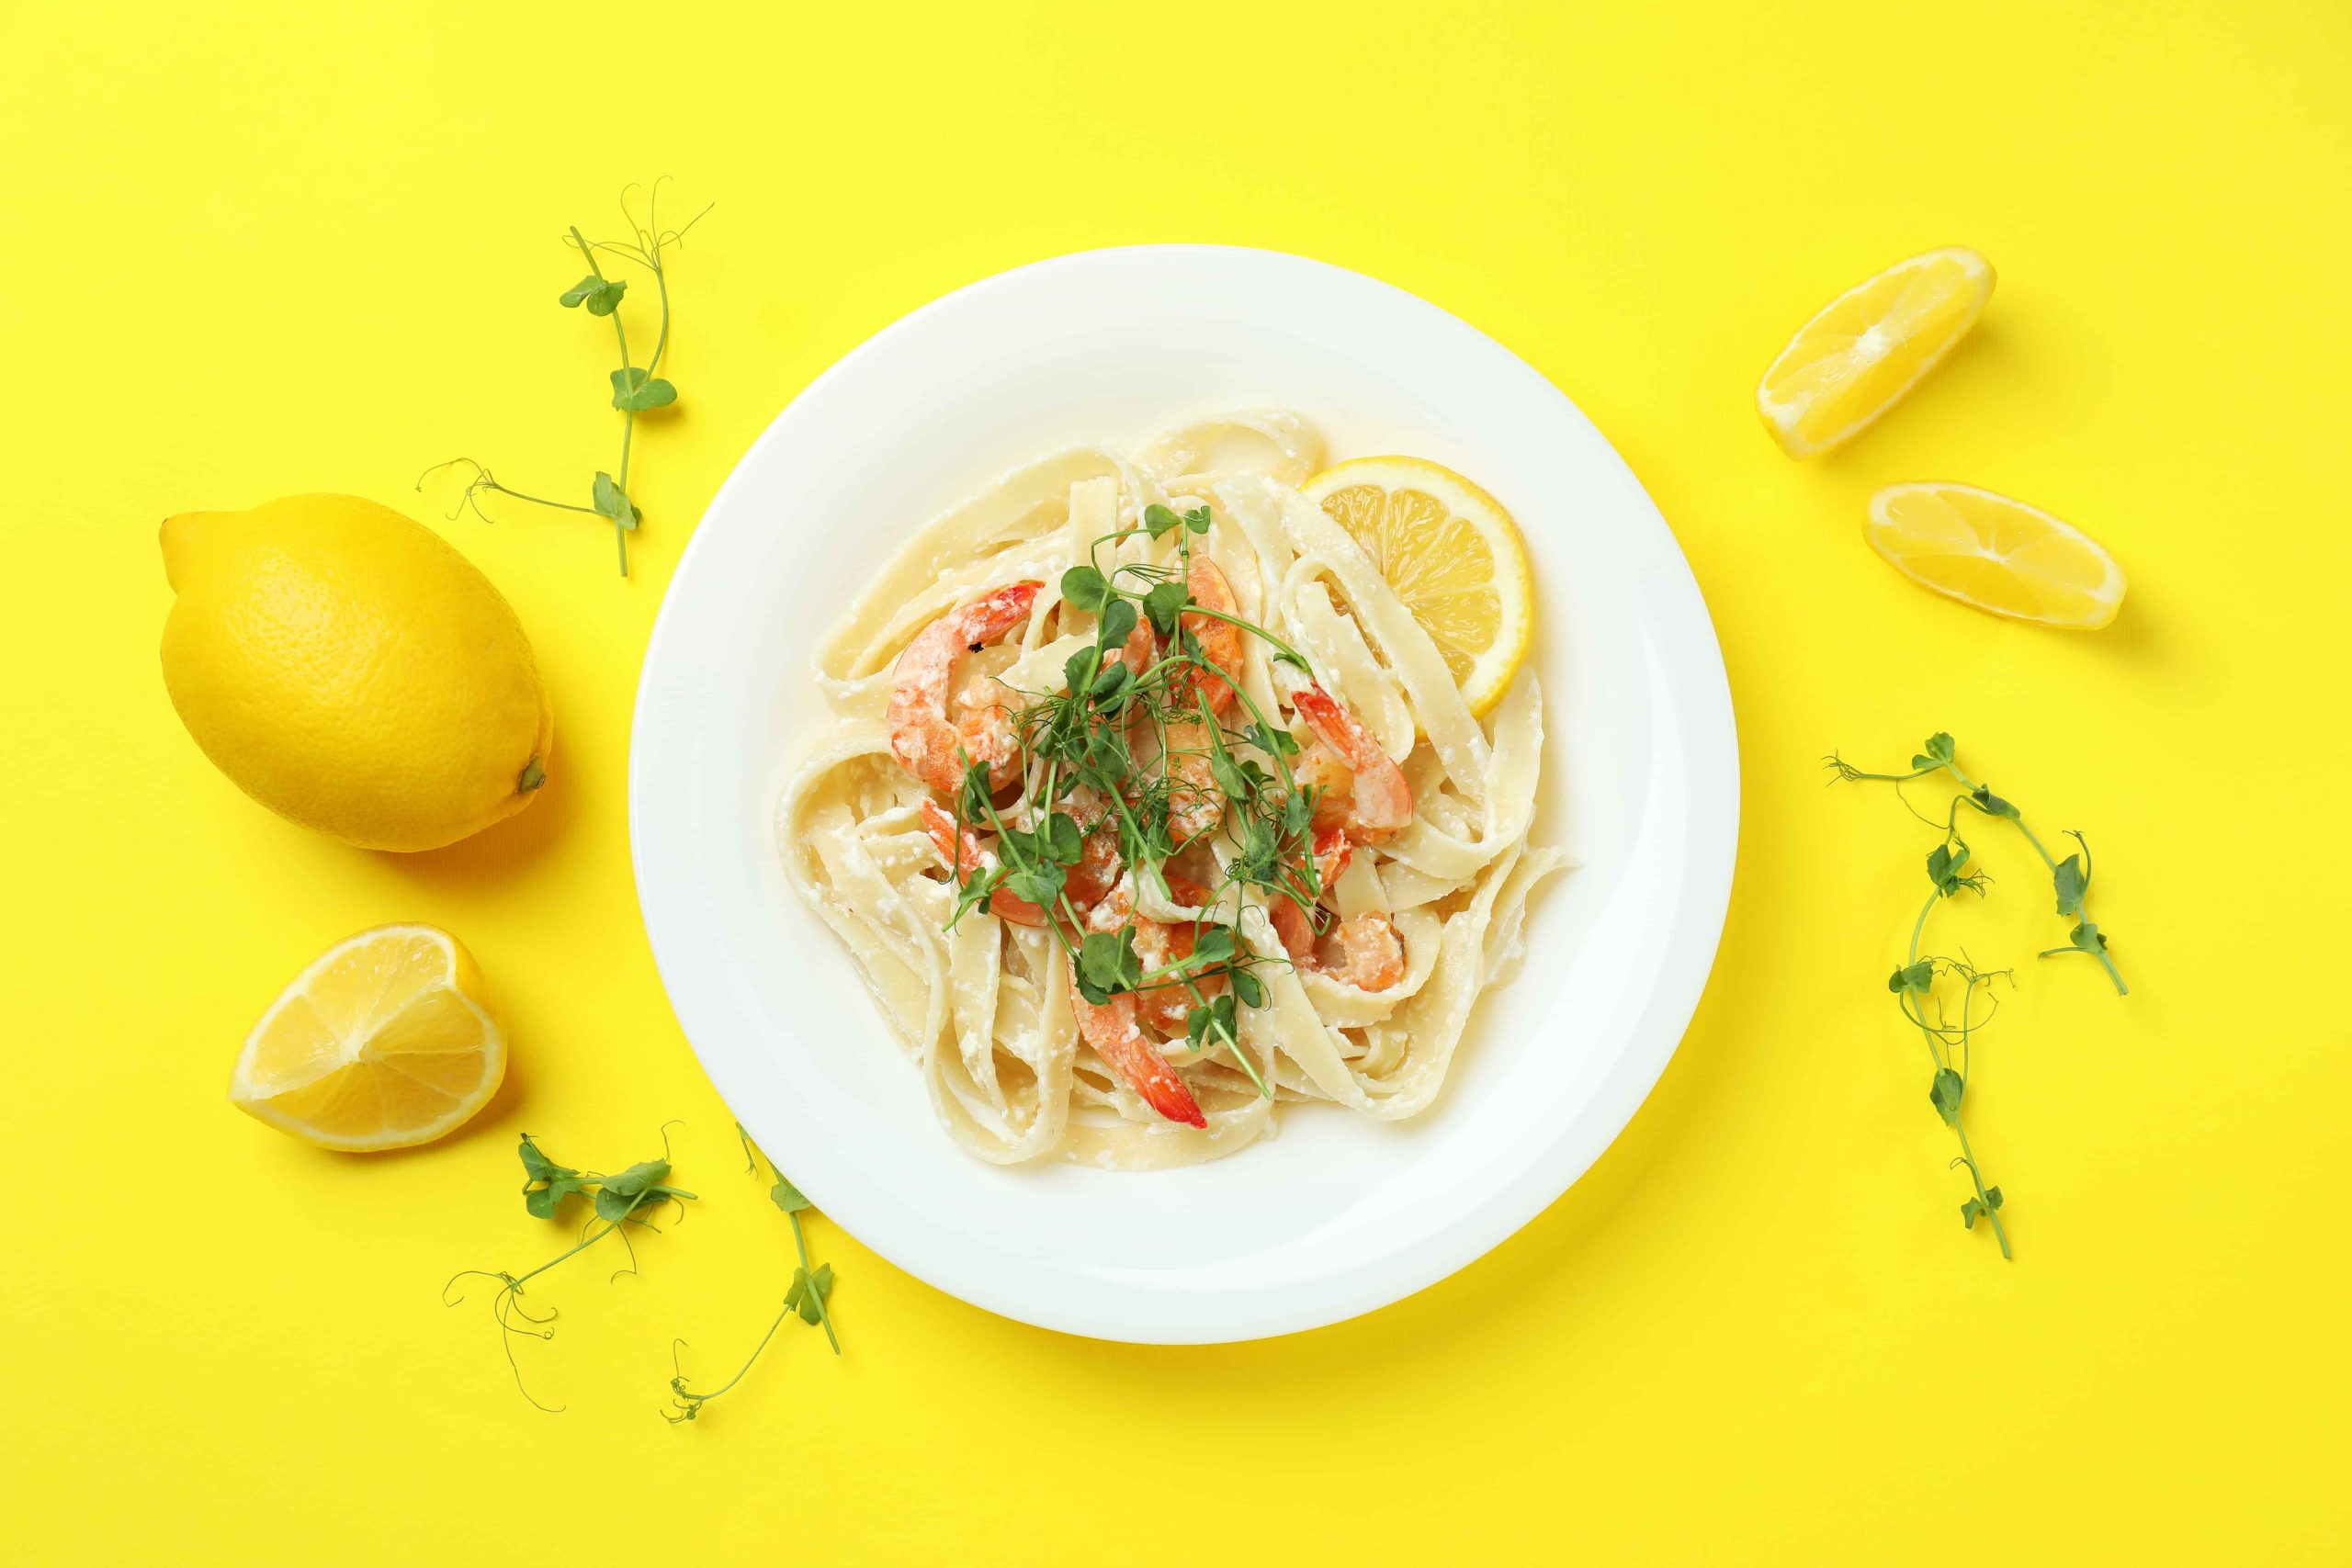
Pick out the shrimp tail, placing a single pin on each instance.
(1112, 1030)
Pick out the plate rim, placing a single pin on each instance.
(1701, 685)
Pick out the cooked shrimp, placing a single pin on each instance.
(960, 848)
(1333, 851)
(926, 742)
(1365, 952)
(1167, 1006)
(1220, 640)
(1097, 868)
(1376, 804)
(1141, 651)
(1111, 1030)
(1293, 924)
(1083, 885)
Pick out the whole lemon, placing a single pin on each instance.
(351, 672)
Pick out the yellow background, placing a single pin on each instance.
(266, 248)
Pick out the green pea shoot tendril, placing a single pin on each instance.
(1923, 985)
(804, 1299)
(619, 1201)
(635, 389)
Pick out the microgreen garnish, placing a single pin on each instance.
(619, 1201)
(1918, 986)
(1082, 776)
(804, 1298)
(2071, 877)
(634, 389)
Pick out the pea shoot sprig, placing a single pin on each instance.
(2071, 877)
(804, 1298)
(619, 1201)
(1083, 777)
(1921, 986)
(635, 389)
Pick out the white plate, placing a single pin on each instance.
(1339, 1214)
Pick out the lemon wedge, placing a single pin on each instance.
(1997, 553)
(1866, 348)
(387, 1039)
(1453, 554)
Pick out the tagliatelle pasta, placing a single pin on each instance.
(1018, 1064)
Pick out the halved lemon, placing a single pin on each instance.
(1997, 553)
(387, 1039)
(1866, 348)
(1453, 554)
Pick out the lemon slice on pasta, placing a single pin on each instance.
(1451, 553)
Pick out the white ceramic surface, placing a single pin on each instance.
(1339, 1215)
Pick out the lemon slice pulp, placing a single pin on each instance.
(387, 1039)
(1451, 553)
(1996, 553)
(1863, 350)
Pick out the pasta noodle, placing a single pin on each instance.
(987, 1007)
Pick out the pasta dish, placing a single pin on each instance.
(1150, 805)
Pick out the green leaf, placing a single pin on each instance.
(2072, 884)
(1968, 1213)
(786, 1196)
(1197, 1027)
(1991, 804)
(634, 390)
(1079, 673)
(815, 1288)
(1110, 684)
(618, 1195)
(1228, 776)
(1097, 959)
(1163, 603)
(1215, 945)
(1273, 742)
(2087, 936)
(1943, 866)
(1106, 750)
(612, 502)
(1091, 991)
(1040, 884)
(536, 1166)
(1941, 748)
(601, 295)
(1118, 622)
(547, 1184)
(1916, 980)
(1249, 988)
(1945, 1095)
(1992, 1197)
(1160, 519)
(1255, 863)
(1063, 841)
(1221, 1016)
(612, 1205)
(979, 798)
(1197, 520)
(1084, 588)
(1298, 810)
(641, 1176)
